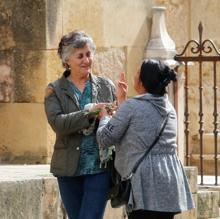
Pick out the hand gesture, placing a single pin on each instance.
(94, 108)
(121, 89)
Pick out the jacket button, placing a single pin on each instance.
(77, 148)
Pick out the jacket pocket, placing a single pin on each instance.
(61, 143)
(59, 160)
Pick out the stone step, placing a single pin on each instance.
(30, 191)
(192, 214)
(205, 156)
(208, 144)
(211, 188)
(214, 218)
(209, 181)
(27, 190)
(208, 163)
(208, 204)
(192, 176)
(191, 173)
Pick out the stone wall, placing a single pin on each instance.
(29, 34)
(30, 191)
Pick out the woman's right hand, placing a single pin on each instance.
(121, 89)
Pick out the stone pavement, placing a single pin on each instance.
(24, 172)
(31, 192)
(208, 180)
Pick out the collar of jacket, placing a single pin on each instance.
(64, 84)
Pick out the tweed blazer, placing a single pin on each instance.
(67, 120)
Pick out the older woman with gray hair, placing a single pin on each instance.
(72, 104)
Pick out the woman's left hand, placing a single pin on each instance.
(103, 112)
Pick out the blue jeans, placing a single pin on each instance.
(85, 197)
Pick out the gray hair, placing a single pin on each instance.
(73, 40)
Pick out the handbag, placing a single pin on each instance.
(120, 190)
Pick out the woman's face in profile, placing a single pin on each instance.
(80, 61)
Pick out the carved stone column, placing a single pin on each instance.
(160, 45)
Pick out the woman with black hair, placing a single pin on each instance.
(159, 186)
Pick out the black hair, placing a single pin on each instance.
(155, 75)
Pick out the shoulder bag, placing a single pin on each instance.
(120, 190)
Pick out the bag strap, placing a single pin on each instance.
(150, 148)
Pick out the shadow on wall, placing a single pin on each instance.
(23, 73)
(25, 26)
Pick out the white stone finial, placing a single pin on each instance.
(160, 45)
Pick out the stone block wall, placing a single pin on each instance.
(29, 36)
(23, 76)
(30, 191)
(191, 173)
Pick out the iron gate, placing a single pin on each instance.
(201, 52)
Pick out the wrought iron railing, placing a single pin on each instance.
(201, 52)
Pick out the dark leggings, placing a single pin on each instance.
(142, 214)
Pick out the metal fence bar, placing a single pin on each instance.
(186, 88)
(201, 122)
(201, 52)
(215, 115)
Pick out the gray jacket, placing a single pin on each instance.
(67, 120)
(159, 183)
